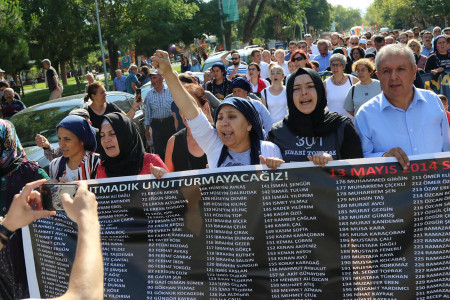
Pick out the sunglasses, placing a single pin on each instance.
(235, 58)
(252, 69)
(354, 43)
(299, 58)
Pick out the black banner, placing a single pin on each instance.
(356, 229)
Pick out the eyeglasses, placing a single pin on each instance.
(235, 58)
(354, 43)
(298, 58)
(361, 70)
(336, 65)
(252, 69)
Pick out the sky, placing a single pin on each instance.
(359, 4)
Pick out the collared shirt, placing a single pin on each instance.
(132, 78)
(119, 83)
(158, 105)
(422, 128)
(425, 51)
(324, 61)
(242, 69)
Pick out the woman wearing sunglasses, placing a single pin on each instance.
(258, 84)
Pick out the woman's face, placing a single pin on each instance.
(253, 72)
(233, 129)
(415, 48)
(337, 68)
(276, 76)
(356, 55)
(69, 143)
(441, 45)
(100, 95)
(109, 140)
(299, 61)
(363, 72)
(305, 94)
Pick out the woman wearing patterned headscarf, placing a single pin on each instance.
(15, 172)
(76, 138)
(237, 138)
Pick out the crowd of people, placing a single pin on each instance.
(274, 110)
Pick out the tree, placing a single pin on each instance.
(254, 15)
(13, 46)
(318, 14)
(345, 18)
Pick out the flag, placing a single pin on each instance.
(230, 9)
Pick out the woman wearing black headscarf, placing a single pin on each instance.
(124, 149)
(238, 137)
(310, 131)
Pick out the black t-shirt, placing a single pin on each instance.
(97, 120)
(224, 88)
(436, 61)
(50, 81)
(182, 159)
(343, 143)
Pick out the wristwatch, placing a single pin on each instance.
(6, 232)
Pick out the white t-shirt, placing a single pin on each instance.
(277, 105)
(336, 95)
(208, 139)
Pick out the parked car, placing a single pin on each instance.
(245, 58)
(42, 118)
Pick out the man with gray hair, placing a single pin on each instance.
(52, 80)
(323, 58)
(119, 82)
(132, 82)
(402, 120)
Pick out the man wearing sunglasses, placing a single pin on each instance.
(235, 65)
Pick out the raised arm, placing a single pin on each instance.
(185, 102)
(224, 59)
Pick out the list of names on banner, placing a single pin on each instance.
(348, 231)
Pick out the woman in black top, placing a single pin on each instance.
(99, 107)
(440, 59)
(182, 152)
(310, 131)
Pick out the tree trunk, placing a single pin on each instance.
(63, 72)
(228, 35)
(252, 19)
(75, 74)
(113, 47)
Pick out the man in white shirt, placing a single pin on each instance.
(256, 58)
(309, 41)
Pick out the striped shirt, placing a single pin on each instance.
(242, 69)
(158, 105)
(86, 170)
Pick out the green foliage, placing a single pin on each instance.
(318, 14)
(34, 72)
(404, 14)
(345, 18)
(13, 45)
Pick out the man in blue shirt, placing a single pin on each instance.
(119, 82)
(427, 47)
(132, 82)
(402, 120)
(292, 48)
(323, 58)
(9, 105)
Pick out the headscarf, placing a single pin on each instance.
(131, 157)
(318, 123)
(241, 82)
(256, 133)
(435, 46)
(10, 149)
(82, 129)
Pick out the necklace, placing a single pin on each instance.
(338, 83)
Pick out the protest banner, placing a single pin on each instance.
(356, 229)
(440, 84)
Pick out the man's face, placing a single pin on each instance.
(45, 65)
(416, 32)
(379, 45)
(216, 73)
(403, 38)
(334, 39)
(236, 59)
(309, 40)
(410, 35)
(9, 95)
(436, 31)
(90, 79)
(238, 92)
(156, 80)
(323, 49)
(303, 46)
(426, 38)
(369, 44)
(118, 74)
(292, 48)
(256, 57)
(135, 70)
(354, 42)
(389, 40)
(396, 75)
(266, 56)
